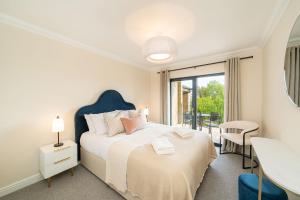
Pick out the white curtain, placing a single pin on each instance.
(292, 73)
(164, 97)
(232, 97)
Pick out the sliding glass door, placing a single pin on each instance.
(183, 103)
(198, 102)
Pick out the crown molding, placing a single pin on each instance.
(277, 13)
(293, 41)
(12, 21)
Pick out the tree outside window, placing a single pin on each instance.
(211, 98)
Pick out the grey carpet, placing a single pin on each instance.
(220, 182)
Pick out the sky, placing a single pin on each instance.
(203, 81)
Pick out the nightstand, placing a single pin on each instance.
(54, 160)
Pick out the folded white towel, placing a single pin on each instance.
(162, 145)
(184, 132)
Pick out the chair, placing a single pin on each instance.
(248, 129)
(187, 118)
(248, 188)
(213, 121)
(200, 120)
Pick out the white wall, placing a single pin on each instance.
(280, 116)
(40, 78)
(251, 85)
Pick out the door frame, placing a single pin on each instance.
(194, 94)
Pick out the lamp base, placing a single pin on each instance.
(58, 144)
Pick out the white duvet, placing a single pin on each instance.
(99, 144)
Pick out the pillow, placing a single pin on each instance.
(124, 113)
(96, 122)
(135, 113)
(114, 122)
(99, 123)
(89, 123)
(133, 124)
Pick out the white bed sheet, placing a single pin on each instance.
(99, 144)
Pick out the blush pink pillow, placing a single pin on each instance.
(133, 124)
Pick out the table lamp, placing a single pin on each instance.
(58, 126)
(146, 112)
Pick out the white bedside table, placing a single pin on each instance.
(54, 160)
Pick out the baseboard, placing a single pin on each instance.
(20, 184)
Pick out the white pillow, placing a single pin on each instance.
(124, 112)
(114, 122)
(99, 123)
(90, 123)
(96, 122)
(135, 113)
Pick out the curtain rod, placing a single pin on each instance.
(213, 63)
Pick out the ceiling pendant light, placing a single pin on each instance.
(159, 49)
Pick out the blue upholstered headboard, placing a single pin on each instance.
(109, 100)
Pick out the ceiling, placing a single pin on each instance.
(119, 28)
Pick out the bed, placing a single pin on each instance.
(129, 165)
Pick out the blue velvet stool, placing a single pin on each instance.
(248, 189)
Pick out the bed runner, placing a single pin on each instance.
(118, 153)
(133, 166)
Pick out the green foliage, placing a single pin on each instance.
(211, 98)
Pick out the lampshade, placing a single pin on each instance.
(58, 125)
(160, 49)
(146, 111)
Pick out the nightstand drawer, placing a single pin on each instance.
(58, 154)
(59, 166)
